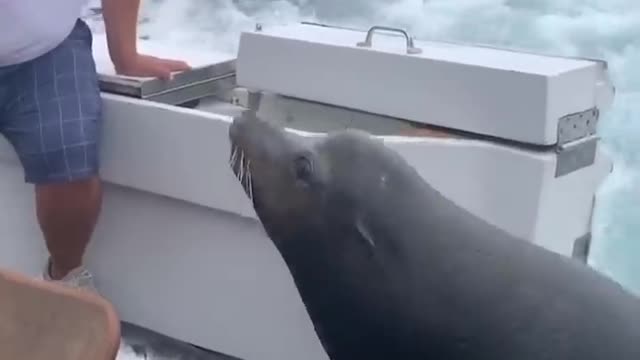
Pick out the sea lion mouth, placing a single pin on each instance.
(241, 166)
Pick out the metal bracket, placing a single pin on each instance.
(246, 98)
(577, 141)
(576, 126)
(253, 100)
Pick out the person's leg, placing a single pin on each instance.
(67, 213)
(54, 124)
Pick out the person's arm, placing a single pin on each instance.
(121, 26)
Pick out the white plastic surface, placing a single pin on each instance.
(503, 93)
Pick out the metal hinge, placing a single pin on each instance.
(577, 141)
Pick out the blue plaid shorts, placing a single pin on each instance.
(51, 111)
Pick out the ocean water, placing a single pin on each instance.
(607, 29)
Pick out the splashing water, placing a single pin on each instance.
(607, 29)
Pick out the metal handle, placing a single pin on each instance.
(410, 48)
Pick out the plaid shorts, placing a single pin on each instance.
(51, 111)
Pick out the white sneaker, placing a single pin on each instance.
(79, 278)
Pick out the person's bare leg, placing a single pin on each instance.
(67, 214)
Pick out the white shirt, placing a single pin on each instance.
(30, 28)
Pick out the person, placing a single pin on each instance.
(51, 112)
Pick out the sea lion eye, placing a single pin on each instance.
(302, 168)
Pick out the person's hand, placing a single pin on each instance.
(151, 66)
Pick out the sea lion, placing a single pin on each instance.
(389, 268)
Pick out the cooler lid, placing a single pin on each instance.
(502, 93)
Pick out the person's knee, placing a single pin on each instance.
(79, 199)
(84, 190)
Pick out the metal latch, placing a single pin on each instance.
(577, 141)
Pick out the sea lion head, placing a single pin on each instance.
(284, 178)
(334, 207)
(314, 190)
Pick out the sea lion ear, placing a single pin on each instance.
(364, 233)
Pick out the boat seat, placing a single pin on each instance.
(46, 321)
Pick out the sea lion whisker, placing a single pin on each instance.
(246, 184)
(250, 186)
(234, 153)
(247, 177)
(245, 170)
(241, 167)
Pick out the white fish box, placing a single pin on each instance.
(500, 93)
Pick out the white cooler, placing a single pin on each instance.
(521, 147)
